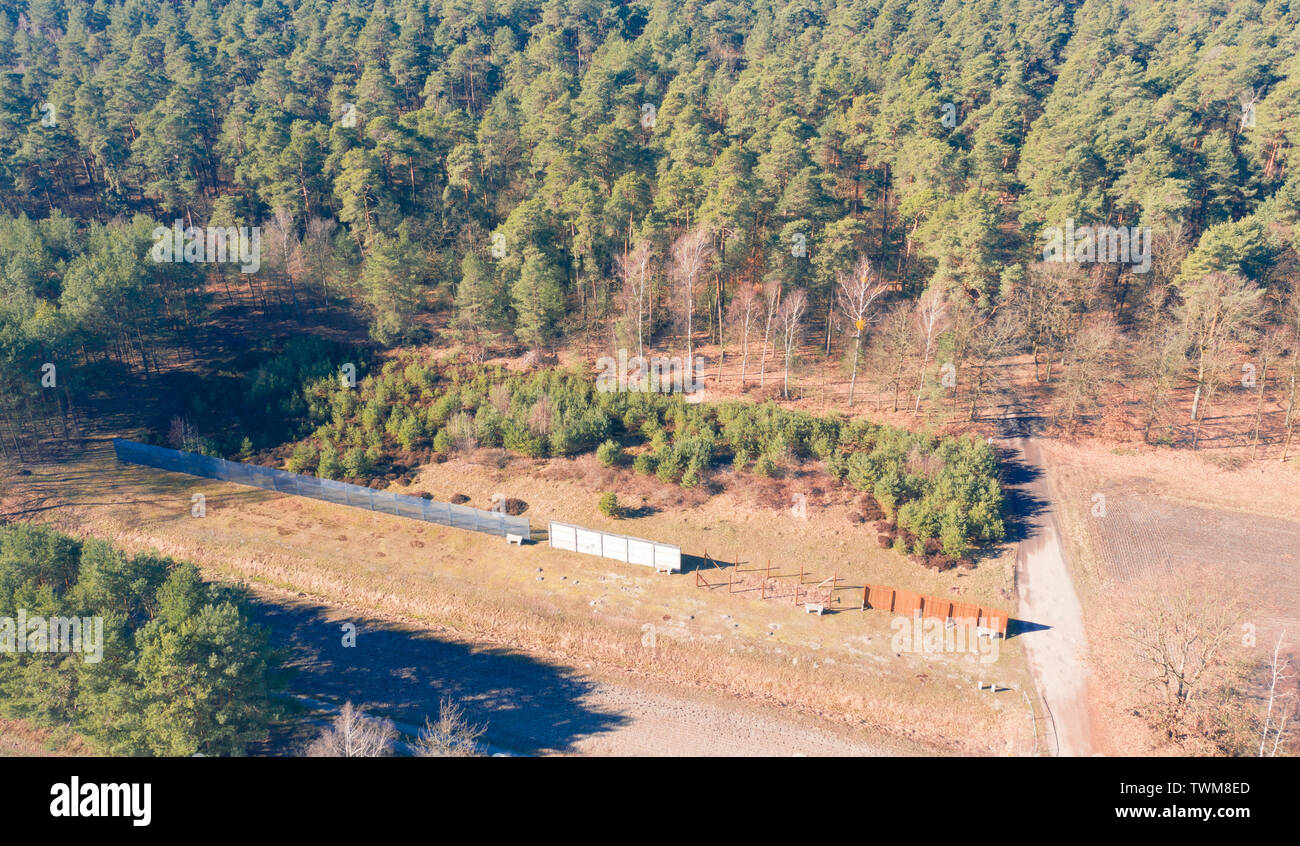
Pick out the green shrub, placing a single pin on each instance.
(609, 453)
(303, 459)
(357, 463)
(953, 537)
(329, 466)
(668, 465)
(487, 426)
(609, 504)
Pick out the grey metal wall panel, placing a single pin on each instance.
(326, 490)
(618, 547)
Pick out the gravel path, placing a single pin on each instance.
(1052, 618)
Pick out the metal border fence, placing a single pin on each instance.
(339, 493)
(661, 556)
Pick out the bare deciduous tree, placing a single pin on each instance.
(931, 314)
(1272, 344)
(318, 253)
(1282, 702)
(1042, 304)
(1188, 665)
(451, 736)
(1215, 311)
(744, 310)
(636, 268)
(1086, 371)
(354, 735)
(995, 339)
(891, 350)
(1291, 320)
(790, 317)
(285, 251)
(771, 303)
(1159, 363)
(857, 292)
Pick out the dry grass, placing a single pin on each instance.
(19, 738)
(584, 612)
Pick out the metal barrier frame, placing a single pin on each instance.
(326, 490)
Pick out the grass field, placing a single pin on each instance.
(587, 614)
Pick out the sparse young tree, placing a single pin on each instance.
(771, 304)
(931, 315)
(857, 292)
(636, 269)
(1281, 702)
(1216, 310)
(790, 318)
(690, 257)
(743, 313)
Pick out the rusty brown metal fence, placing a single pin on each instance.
(907, 604)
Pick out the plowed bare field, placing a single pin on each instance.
(1142, 533)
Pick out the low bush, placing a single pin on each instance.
(609, 453)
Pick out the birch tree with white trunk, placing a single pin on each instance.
(931, 317)
(690, 257)
(857, 292)
(790, 319)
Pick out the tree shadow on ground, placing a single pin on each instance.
(1021, 506)
(530, 707)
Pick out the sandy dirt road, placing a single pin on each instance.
(1050, 613)
(531, 707)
